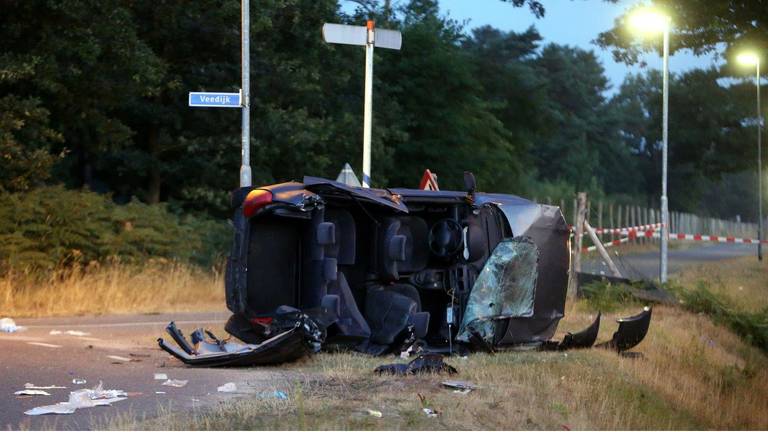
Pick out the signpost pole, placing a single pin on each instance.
(245, 168)
(368, 106)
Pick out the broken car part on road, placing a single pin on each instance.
(322, 264)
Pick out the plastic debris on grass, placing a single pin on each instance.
(175, 383)
(78, 381)
(277, 394)
(460, 387)
(374, 413)
(8, 325)
(83, 398)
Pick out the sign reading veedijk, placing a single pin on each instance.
(217, 100)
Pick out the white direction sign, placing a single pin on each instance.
(215, 99)
(358, 35)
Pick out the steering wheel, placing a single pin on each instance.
(445, 238)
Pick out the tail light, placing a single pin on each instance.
(255, 200)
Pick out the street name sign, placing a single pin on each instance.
(215, 100)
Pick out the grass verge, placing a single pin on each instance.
(160, 286)
(693, 374)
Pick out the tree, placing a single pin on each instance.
(699, 25)
(707, 136)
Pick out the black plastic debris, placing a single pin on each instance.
(289, 335)
(425, 363)
(632, 331)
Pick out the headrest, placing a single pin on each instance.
(396, 248)
(344, 247)
(326, 233)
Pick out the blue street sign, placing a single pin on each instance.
(217, 100)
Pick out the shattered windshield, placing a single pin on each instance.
(504, 289)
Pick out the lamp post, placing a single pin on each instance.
(752, 59)
(651, 21)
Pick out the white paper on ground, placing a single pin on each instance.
(228, 388)
(83, 398)
(175, 383)
(161, 376)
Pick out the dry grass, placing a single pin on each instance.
(744, 281)
(693, 375)
(117, 288)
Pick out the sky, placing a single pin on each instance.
(571, 22)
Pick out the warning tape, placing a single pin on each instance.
(624, 230)
(712, 238)
(652, 233)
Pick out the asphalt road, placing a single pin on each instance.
(35, 356)
(646, 265)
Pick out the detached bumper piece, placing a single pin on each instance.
(290, 336)
(632, 331)
(284, 347)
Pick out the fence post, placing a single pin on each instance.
(600, 218)
(611, 221)
(580, 215)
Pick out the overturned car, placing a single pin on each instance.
(379, 270)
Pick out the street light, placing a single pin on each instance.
(751, 59)
(651, 21)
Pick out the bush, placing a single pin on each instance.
(51, 227)
(752, 326)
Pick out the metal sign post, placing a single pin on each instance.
(245, 167)
(369, 37)
(236, 100)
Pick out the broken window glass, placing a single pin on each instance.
(505, 288)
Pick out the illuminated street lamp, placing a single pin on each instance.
(751, 59)
(651, 21)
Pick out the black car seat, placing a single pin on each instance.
(390, 305)
(339, 299)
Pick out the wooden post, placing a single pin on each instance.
(581, 213)
(610, 221)
(600, 218)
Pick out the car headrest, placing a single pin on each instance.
(344, 247)
(326, 234)
(396, 248)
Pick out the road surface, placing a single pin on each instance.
(646, 265)
(38, 357)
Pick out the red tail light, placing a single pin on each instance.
(255, 200)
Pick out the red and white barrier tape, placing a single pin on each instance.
(606, 244)
(627, 230)
(711, 238)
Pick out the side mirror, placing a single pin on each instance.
(469, 182)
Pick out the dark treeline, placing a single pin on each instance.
(93, 94)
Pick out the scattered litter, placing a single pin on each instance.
(78, 381)
(8, 325)
(36, 387)
(30, 392)
(159, 392)
(42, 344)
(425, 363)
(83, 398)
(430, 412)
(175, 383)
(69, 332)
(227, 388)
(277, 394)
(374, 413)
(161, 376)
(118, 358)
(462, 392)
(460, 385)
